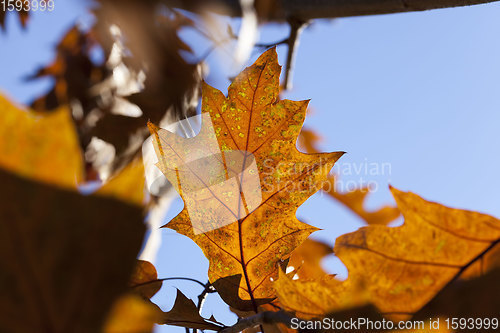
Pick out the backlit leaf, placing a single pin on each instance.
(306, 259)
(132, 314)
(184, 313)
(250, 126)
(43, 147)
(64, 257)
(144, 280)
(400, 269)
(59, 269)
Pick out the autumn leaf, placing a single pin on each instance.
(64, 257)
(58, 266)
(353, 200)
(144, 280)
(399, 269)
(473, 298)
(250, 126)
(43, 147)
(306, 259)
(317, 297)
(132, 314)
(184, 313)
(127, 185)
(30, 146)
(155, 82)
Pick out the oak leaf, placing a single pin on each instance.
(184, 313)
(305, 260)
(132, 314)
(127, 185)
(401, 269)
(59, 269)
(42, 147)
(251, 126)
(144, 280)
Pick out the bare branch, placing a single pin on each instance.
(296, 27)
(261, 318)
(304, 10)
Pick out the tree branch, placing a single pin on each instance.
(296, 28)
(304, 10)
(267, 317)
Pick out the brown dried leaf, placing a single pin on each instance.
(184, 313)
(59, 269)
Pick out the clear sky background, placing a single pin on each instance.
(420, 91)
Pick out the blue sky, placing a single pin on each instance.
(419, 91)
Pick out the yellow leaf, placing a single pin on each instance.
(59, 269)
(306, 259)
(247, 139)
(317, 297)
(132, 314)
(128, 185)
(43, 147)
(401, 269)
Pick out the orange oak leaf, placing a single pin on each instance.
(242, 178)
(306, 259)
(353, 200)
(401, 269)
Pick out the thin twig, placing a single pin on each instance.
(296, 27)
(209, 289)
(168, 279)
(269, 45)
(261, 318)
